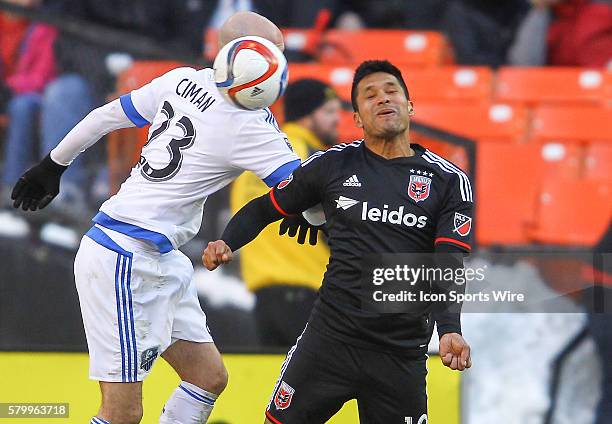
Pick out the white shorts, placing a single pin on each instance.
(135, 303)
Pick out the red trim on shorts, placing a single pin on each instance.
(271, 418)
(453, 241)
(275, 203)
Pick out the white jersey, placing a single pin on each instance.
(198, 143)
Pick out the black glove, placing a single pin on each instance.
(38, 186)
(292, 224)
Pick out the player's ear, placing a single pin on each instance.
(357, 120)
(410, 108)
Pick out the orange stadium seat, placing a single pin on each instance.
(142, 72)
(430, 84)
(455, 154)
(298, 39)
(401, 47)
(507, 184)
(560, 160)
(572, 123)
(460, 84)
(211, 43)
(347, 131)
(124, 146)
(340, 77)
(598, 161)
(572, 212)
(304, 40)
(533, 86)
(490, 121)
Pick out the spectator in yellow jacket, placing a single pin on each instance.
(284, 275)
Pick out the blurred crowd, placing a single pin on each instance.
(42, 64)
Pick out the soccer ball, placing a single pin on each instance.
(251, 72)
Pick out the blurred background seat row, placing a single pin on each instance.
(543, 135)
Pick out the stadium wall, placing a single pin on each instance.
(62, 378)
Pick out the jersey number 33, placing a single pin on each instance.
(174, 147)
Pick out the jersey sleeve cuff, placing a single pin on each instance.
(446, 329)
(447, 323)
(131, 112)
(281, 173)
(457, 243)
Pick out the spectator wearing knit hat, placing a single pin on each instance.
(311, 114)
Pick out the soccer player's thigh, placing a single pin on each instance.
(317, 377)
(193, 354)
(127, 306)
(394, 390)
(113, 297)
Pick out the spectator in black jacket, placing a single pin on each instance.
(481, 31)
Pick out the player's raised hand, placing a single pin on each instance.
(215, 254)
(455, 352)
(38, 186)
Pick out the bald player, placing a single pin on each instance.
(242, 24)
(134, 285)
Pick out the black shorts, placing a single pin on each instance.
(321, 373)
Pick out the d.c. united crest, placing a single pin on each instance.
(283, 396)
(419, 187)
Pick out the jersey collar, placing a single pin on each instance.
(418, 152)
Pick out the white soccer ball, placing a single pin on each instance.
(251, 72)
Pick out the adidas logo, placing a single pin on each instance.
(352, 182)
(256, 92)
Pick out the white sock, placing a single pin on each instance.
(96, 420)
(188, 404)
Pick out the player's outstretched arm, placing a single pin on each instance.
(38, 186)
(454, 350)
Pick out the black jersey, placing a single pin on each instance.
(375, 205)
